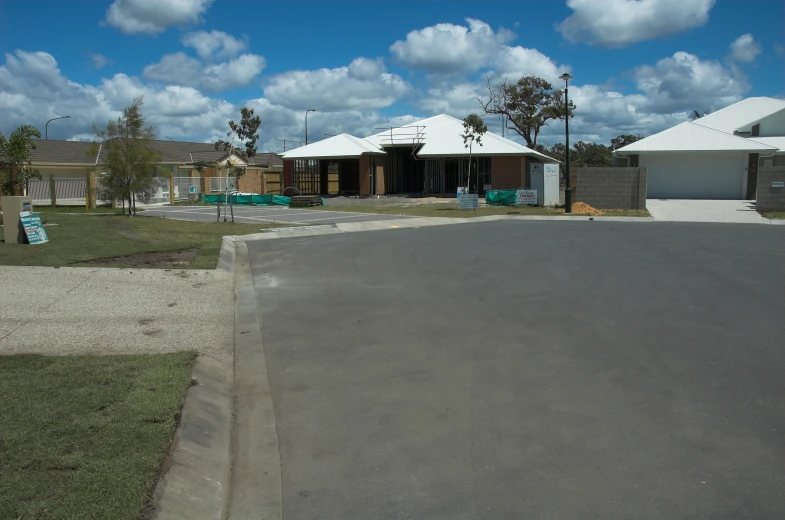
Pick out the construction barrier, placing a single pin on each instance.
(501, 197)
(240, 199)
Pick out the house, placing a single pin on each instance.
(423, 157)
(715, 156)
(73, 167)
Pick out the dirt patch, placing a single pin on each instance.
(581, 208)
(160, 258)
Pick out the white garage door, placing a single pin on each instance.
(694, 177)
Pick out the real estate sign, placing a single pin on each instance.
(34, 229)
(469, 201)
(523, 197)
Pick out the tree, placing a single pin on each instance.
(528, 105)
(246, 131)
(16, 158)
(623, 140)
(590, 154)
(131, 167)
(473, 130)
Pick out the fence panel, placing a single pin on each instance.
(218, 184)
(274, 181)
(68, 192)
(182, 187)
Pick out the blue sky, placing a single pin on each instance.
(639, 65)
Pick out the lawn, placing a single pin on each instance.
(78, 238)
(451, 210)
(83, 437)
(773, 214)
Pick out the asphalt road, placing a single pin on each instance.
(264, 215)
(563, 370)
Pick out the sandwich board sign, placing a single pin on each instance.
(34, 229)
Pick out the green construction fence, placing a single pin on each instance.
(500, 197)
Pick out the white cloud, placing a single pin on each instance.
(154, 16)
(181, 69)
(744, 49)
(514, 62)
(683, 82)
(446, 47)
(99, 61)
(214, 44)
(616, 23)
(364, 84)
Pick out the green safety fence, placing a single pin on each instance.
(500, 197)
(249, 200)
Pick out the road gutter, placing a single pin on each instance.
(255, 488)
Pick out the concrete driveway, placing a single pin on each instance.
(681, 210)
(514, 370)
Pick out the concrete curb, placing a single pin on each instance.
(255, 489)
(227, 255)
(196, 484)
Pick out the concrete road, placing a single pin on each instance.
(726, 211)
(264, 215)
(528, 370)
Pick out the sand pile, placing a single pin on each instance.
(581, 208)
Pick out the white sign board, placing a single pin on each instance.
(525, 197)
(191, 189)
(778, 184)
(469, 201)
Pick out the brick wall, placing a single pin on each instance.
(768, 198)
(609, 187)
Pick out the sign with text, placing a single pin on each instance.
(525, 197)
(469, 201)
(34, 229)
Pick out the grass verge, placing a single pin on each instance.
(451, 210)
(75, 239)
(773, 214)
(79, 210)
(83, 437)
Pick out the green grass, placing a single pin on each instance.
(773, 214)
(83, 437)
(80, 238)
(451, 210)
(78, 210)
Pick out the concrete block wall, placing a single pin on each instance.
(769, 198)
(609, 187)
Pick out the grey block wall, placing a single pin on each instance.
(769, 198)
(609, 187)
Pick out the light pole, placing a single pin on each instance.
(306, 124)
(46, 128)
(567, 191)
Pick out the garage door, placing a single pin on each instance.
(694, 177)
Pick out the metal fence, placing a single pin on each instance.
(186, 187)
(68, 192)
(218, 184)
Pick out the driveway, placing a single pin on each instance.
(513, 370)
(729, 211)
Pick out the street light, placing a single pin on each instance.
(567, 191)
(306, 124)
(46, 128)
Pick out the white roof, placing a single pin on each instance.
(440, 136)
(743, 114)
(777, 142)
(339, 146)
(692, 137)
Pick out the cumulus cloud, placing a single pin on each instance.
(744, 49)
(365, 84)
(154, 16)
(214, 44)
(513, 62)
(616, 23)
(683, 82)
(181, 69)
(446, 47)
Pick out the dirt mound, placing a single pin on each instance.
(581, 208)
(179, 257)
